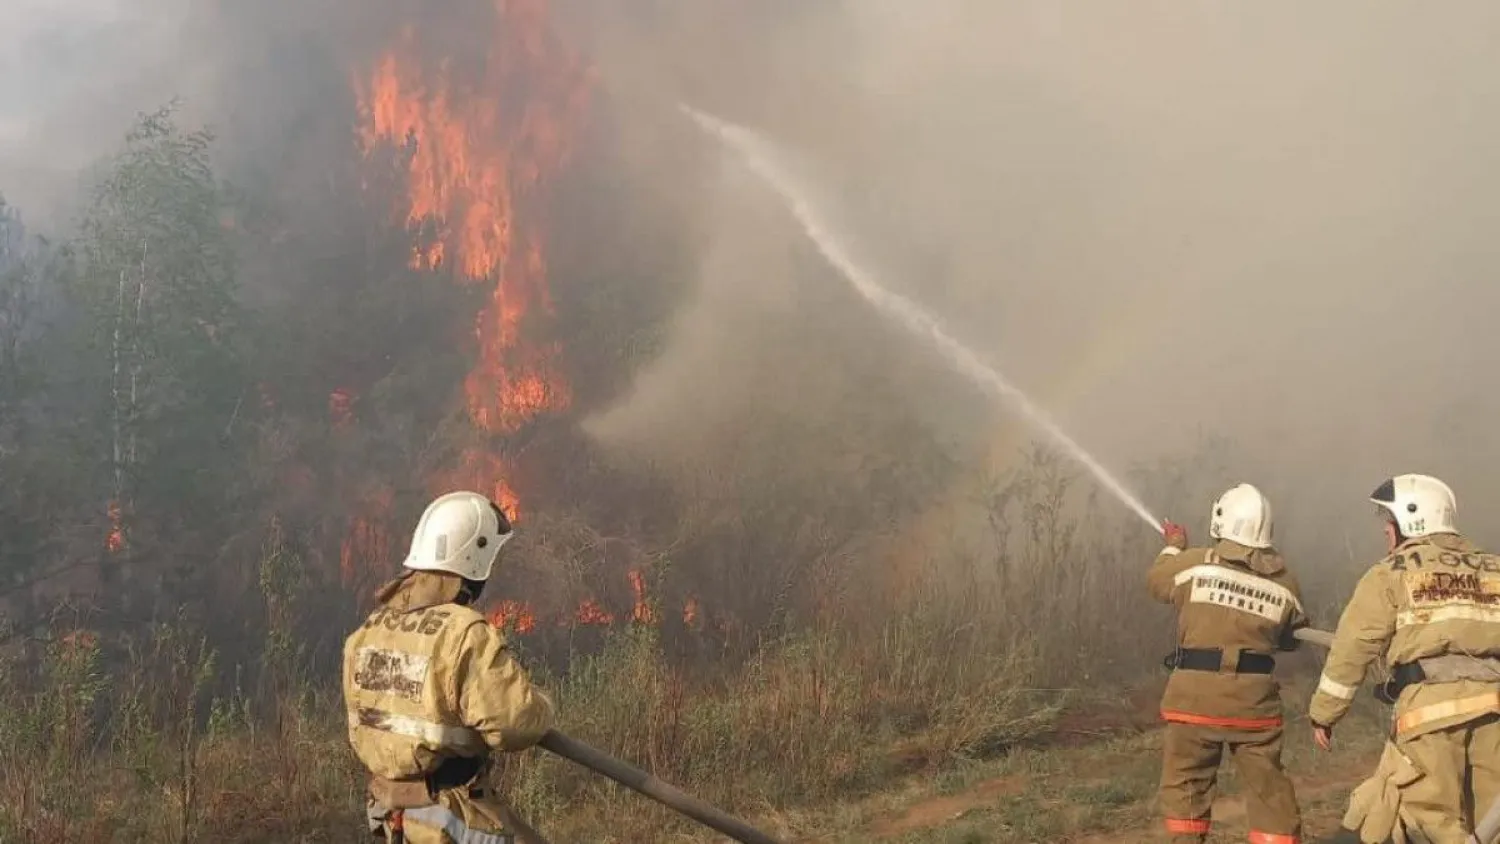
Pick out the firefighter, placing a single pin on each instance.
(1431, 611)
(432, 690)
(1237, 604)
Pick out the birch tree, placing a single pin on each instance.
(157, 277)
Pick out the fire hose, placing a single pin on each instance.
(637, 780)
(1321, 638)
(1488, 830)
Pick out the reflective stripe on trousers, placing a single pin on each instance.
(1178, 717)
(1258, 837)
(1486, 702)
(438, 816)
(1189, 826)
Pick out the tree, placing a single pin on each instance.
(20, 532)
(157, 280)
(17, 305)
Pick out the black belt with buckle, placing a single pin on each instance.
(1402, 675)
(1212, 660)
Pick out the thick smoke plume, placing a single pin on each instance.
(1267, 224)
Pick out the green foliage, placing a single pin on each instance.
(23, 480)
(157, 279)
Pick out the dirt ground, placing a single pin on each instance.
(1094, 782)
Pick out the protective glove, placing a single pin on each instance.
(1176, 535)
(1375, 808)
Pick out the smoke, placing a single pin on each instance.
(1269, 223)
(264, 76)
(76, 72)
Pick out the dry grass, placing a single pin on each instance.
(929, 732)
(811, 718)
(819, 732)
(1096, 793)
(925, 734)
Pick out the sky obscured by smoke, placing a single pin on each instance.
(1266, 222)
(76, 73)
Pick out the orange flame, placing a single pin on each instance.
(367, 545)
(589, 612)
(515, 616)
(341, 408)
(479, 159)
(640, 610)
(485, 473)
(115, 541)
(519, 617)
(78, 640)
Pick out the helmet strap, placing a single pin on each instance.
(469, 593)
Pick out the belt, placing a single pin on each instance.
(456, 771)
(1441, 669)
(1403, 674)
(1212, 659)
(452, 773)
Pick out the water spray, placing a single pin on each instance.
(759, 155)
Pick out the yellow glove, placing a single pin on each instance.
(1375, 806)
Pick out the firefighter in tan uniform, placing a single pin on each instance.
(1237, 604)
(1431, 611)
(432, 689)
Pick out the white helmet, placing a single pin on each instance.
(459, 533)
(1420, 505)
(1242, 515)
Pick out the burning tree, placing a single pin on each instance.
(478, 148)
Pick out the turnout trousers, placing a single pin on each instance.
(455, 818)
(1460, 778)
(1191, 755)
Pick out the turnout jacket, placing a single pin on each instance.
(1435, 597)
(426, 679)
(1236, 600)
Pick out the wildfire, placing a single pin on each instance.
(640, 610)
(341, 408)
(589, 612)
(367, 543)
(114, 542)
(520, 618)
(79, 642)
(481, 148)
(480, 160)
(514, 615)
(483, 472)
